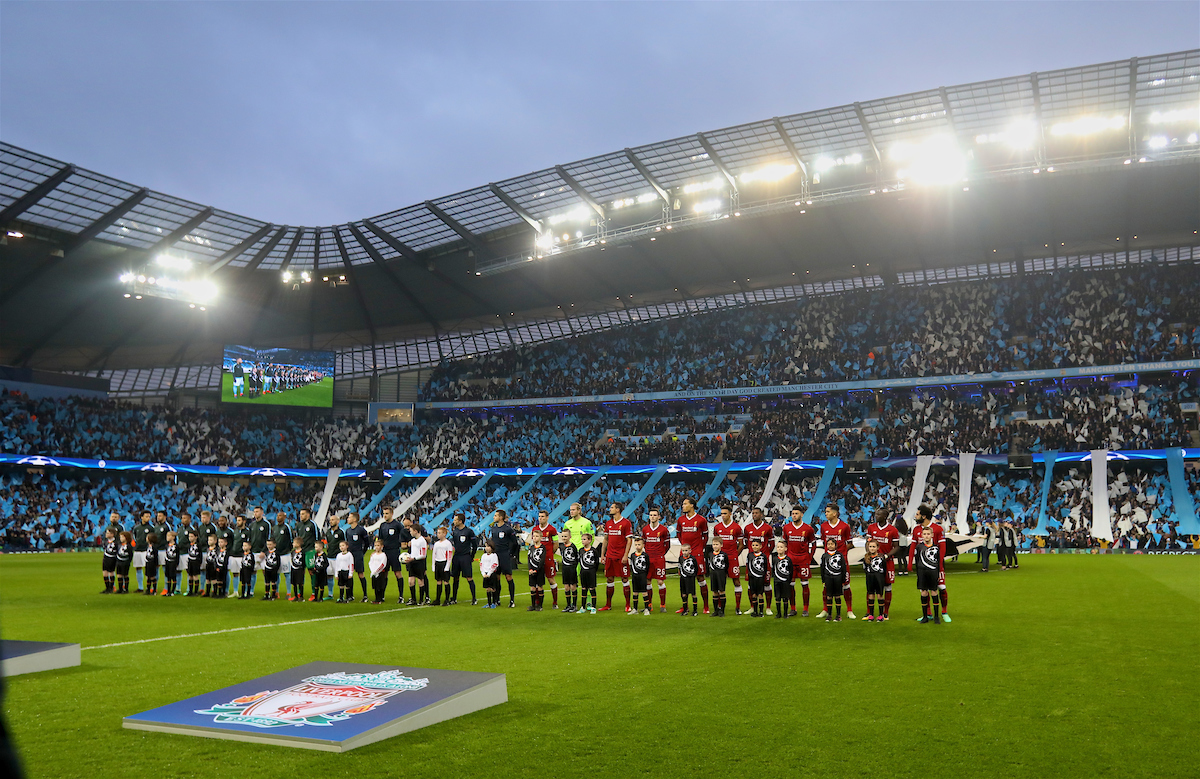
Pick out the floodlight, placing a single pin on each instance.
(706, 206)
(702, 186)
(772, 172)
(15, 234)
(575, 215)
(935, 160)
(1088, 125)
(1158, 142)
(1176, 116)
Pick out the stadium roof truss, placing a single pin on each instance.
(1144, 108)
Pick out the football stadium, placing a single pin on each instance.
(915, 380)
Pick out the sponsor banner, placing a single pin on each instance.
(328, 706)
(1098, 550)
(43, 461)
(833, 386)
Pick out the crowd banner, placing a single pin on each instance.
(327, 496)
(777, 467)
(379, 496)
(831, 466)
(465, 498)
(1047, 479)
(416, 494)
(1101, 523)
(832, 386)
(1185, 506)
(966, 474)
(714, 486)
(646, 489)
(526, 487)
(579, 492)
(918, 489)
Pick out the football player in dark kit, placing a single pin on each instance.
(260, 531)
(464, 541)
(537, 570)
(307, 534)
(389, 532)
(570, 570)
(357, 540)
(504, 540)
(141, 529)
(929, 571)
(718, 568)
(833, 576)
(781, 580)
(639, 573)
(687, 579)
(589, 564)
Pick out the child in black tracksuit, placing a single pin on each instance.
(718, 571)
(246, 573)
(320, 571)
(297, 571)
(195, 565)
(108, 564)
(270, 567)
(124, 558)
(150, 569)
(833, 576)
(687, 579)
(781, 579)
(758, 569)
(589, 564)
(639, 570)
(170, 564)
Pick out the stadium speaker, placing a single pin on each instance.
(374, 476)
(858, 467)
(1020, 462)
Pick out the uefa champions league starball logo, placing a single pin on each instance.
(568, 472)
(158, 468)
(267, 472)
(318, 700)
(37, 460)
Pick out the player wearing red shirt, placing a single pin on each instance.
(550, 545)
(925, 517)
(887, 536)
(730, 534)
(800, 538)
(657, 540)
(692, 530)
(833, 527)
(758, 529)
(618, 541)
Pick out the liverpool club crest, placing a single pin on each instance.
(318, 700)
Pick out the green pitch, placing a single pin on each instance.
(319, 395)
(1072, 666)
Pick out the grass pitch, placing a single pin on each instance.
(1072, 666)
(318, 395)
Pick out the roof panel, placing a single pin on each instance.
(894, 119)
(417, 227)
(609, 176)
(749, 146)
(832, 132)
(478, 210)
(151, 220)
(78, 202)
(677, 162)
(543, 194)
(21, 171)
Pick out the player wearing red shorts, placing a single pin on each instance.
(618, 541)
(657, 540)
(692, 530)
(833, 527)
(883, 531)
(925, 517)
(730, 534)
(758, 529)
(549, 544)
(800, 538)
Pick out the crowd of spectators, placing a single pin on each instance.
(1055, 320)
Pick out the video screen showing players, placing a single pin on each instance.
(277, 377)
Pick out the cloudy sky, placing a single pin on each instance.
(318, 113)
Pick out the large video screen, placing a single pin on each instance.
(277, 377)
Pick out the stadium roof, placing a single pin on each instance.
(1077, 157)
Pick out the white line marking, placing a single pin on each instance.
(257, 627)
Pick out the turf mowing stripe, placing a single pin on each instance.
(256, 627)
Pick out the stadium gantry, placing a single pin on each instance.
(1065, 154)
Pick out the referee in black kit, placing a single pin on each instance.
(508, 550)
(465, 543)
(389, 532)
(357, 541)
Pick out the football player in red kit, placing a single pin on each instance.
(883, 531)
(550, 545)
(758, 529)
(925, 517)
(730, 534)
(657, 540)
(833, 527)
(801, 539)
(692, 530)
(618, 541)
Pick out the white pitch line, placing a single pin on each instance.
(252, 627)
(257, 627)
